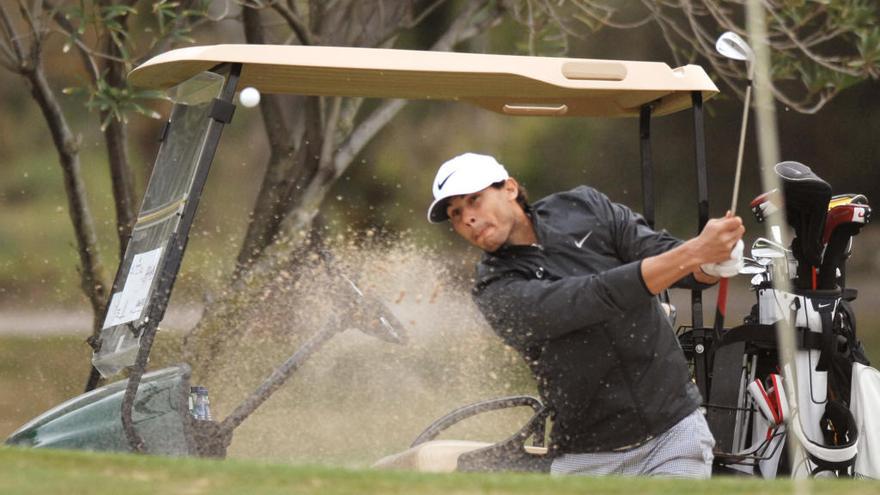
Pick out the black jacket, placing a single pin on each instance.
(576, 307)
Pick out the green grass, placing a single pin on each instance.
(44, 471)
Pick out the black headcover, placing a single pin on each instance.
(806, 204)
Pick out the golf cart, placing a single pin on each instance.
(160, 412)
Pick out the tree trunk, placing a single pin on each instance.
(284, 154)
(300, 173)
(289, 170)
(117, 151)
(336, 160)
(121, 177)
(91, 271)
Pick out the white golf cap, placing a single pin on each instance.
(464, 174)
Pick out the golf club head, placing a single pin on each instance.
(731, 45)
(843, 221)
(752, 267)
(762, 254)
(765, 205)
(764, 243)
(856, 215)
(373, 317)
(806, 198)
(845, 199)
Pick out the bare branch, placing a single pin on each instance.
(804, 106)
(91, 269)
(689, 28)
(350, 109)
(330, 124)
(705, 41)
(530, 19)
(425, 13)
(723, 20)
(29, 17)
(85, 53)
(364, 133)
(34, 25)
(363, 23)
(7, 58)
(588, 8)
(461, 29)
(558, 18)
(300, 28)
(13, 37)
(664, 31)
(394, 32)
(164, 42)
(823, 61)
(819, 37)
(89, 51)
(310, 197)
(6, 61)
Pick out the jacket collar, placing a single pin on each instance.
(545, 233)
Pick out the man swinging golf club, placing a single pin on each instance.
(571, 283)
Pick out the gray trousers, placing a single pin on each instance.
(684, 451)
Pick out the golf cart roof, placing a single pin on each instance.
(508, 84)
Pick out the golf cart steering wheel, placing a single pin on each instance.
(535, 427)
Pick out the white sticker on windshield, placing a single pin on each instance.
(128, 304)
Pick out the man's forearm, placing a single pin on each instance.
(661, 271)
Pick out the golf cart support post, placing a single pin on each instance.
(510, 85)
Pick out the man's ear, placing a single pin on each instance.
(511, 186)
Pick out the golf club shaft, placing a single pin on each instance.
(739, 153)
(721, 305)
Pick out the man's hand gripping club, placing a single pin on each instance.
(732, 265)
(718, 248)
(729, 268)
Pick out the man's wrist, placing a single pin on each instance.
(705, 278)
(694, 256)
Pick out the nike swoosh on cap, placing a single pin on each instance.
(440, 185)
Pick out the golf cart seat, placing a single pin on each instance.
(429, 455)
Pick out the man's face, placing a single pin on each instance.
(485, 218)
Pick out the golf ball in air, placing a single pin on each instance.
(249, 97)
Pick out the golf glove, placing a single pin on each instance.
(729, 268)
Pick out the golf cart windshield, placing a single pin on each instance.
(146, 258)
(91, 421)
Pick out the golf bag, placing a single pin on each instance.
(746, 407)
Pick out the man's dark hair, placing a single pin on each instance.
(522, 196)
